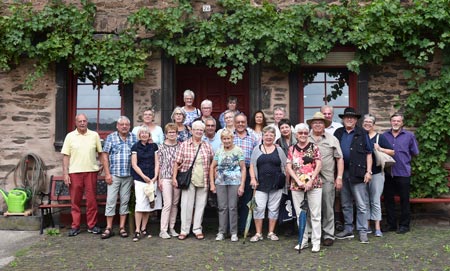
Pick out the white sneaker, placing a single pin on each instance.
(220, 237)
(164, 235)
(297, 247)
(173, 233)
(234, 238)
(315, 248)
(257, 237)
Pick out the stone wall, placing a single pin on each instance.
(28, 121)
(275, 91)
(388, 89)
(28, 117)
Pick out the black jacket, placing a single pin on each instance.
(357, 166)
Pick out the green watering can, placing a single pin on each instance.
(15, 200)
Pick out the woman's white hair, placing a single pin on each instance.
(301, 126)
(198, 124)
(187, 93)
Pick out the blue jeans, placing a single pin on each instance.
(358, 192)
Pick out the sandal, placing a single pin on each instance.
(200, 236)
(107, 233)
(144, 232)
(123, 233)
(137, 236)
(182, 236)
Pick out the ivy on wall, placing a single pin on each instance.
(238, 34)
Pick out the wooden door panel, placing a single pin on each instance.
(206, 84)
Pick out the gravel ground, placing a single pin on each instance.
(426, 247)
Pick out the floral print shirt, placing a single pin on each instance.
(303, 162)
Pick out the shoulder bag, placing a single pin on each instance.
(184, 178)
(383, 159)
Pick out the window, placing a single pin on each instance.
(102, 106)
(334, 87)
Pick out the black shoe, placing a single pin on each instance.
(74, 232)
(328, 242)
(95, 230)
(403, 230)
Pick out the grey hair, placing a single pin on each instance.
(188, 92)
(210, 118)
(178, 110)
(326, 106)
(371, 117)
(269, 129)
(198, 124)
(206, 102)
(301, 126)
(125, 118)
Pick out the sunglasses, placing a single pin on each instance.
(302, 133)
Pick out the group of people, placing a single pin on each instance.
(236, 162)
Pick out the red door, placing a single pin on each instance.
(206, 84)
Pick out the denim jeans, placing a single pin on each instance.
(358, 192)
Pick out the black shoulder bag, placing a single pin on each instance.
(184, 178)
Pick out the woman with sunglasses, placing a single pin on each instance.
(303, 165)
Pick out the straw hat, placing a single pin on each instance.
(319, 116)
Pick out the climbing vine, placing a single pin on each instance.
(239, 33)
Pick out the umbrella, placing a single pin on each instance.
(251, 206)
(302, 221)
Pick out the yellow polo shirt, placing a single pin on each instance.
(83, 150)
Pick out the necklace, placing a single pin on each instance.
(265, 150)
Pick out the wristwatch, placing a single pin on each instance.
(370, 172)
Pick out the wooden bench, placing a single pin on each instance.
(59, 197)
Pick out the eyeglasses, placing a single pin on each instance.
(302, 133)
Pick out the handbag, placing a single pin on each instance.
(383, 159)
(184, 178)
(287, 210)
(280, 181)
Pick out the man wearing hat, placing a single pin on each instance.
(357, 152)
(331, 153)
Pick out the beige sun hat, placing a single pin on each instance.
(149, 191)
(319, 116)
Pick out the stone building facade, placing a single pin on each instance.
(29, 118)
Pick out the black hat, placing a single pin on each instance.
(349, 112)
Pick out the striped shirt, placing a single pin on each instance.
(119, 153)
(166, 159)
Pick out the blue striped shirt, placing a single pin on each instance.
(119, 153)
